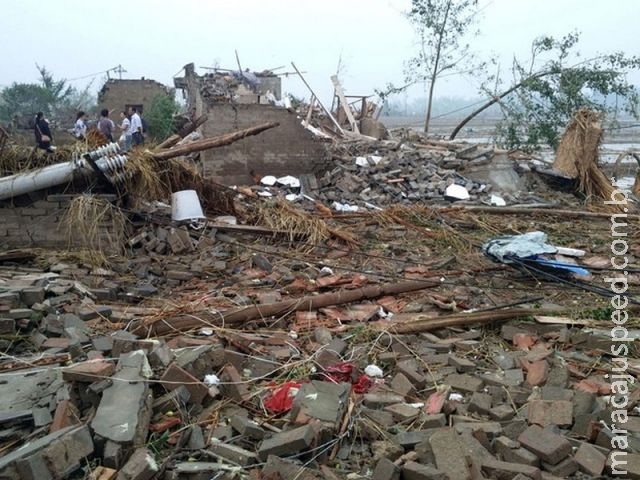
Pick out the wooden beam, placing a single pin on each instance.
(333, 120)
(239, 316)
(343, 102)
(212, 142)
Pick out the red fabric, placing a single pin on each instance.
(345, 372)
(340, 372)
(435, 402)
(280, 400)
(363, 384)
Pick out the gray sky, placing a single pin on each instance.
(80, 38)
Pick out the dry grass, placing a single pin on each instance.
(146, 178)
(432, 226)
(95, 226)
(281, 216)
(19, 158)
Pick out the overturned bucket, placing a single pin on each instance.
(185, 206)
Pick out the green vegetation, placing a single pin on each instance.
(56, 98)
(541, 101)
(159, 116)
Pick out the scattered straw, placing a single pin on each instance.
(280, 215)
(19, 158)
(146, 177)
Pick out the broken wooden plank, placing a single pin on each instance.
(186, 130)
(16, 255)
(333, 120)
(419, 322)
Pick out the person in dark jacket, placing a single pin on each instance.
(106, 125)
(44, 139)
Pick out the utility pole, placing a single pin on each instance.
(119, 70)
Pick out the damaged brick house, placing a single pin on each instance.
(117, 94)
(237, 100)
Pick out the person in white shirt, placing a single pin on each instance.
(80, 128)
(136, 127)
(125, 126)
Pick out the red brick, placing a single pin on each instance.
(550, 412)
(233, 384)
(496, 469)
(175, 376)
(590, 460)
(66, 414)
(90, 372)
(537, 372)
(55, 343)
(551, 448)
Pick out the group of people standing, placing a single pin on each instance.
(131, 127)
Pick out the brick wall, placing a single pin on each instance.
(285, 150)
(40, 224)
(116, 94)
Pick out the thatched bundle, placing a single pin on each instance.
(281, 216)
(578, 154)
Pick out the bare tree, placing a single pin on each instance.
(441, 26)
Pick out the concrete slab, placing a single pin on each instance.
(125, 421)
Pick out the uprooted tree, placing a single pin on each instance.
(552, 86)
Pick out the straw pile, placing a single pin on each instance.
(578, 155)
(150, 179)
(19, 158)
(95, 226)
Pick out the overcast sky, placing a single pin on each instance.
(156, 38)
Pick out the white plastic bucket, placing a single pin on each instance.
(185, 205)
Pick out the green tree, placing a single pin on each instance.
(53, 97)
(22, 99)
(441, 26)
(58, 91)
(552, 86)
(160, 116)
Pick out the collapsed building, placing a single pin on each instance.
(293, 340)
(235, 100)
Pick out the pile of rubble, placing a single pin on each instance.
(373, 175)
(105, 389)
(377, 345)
